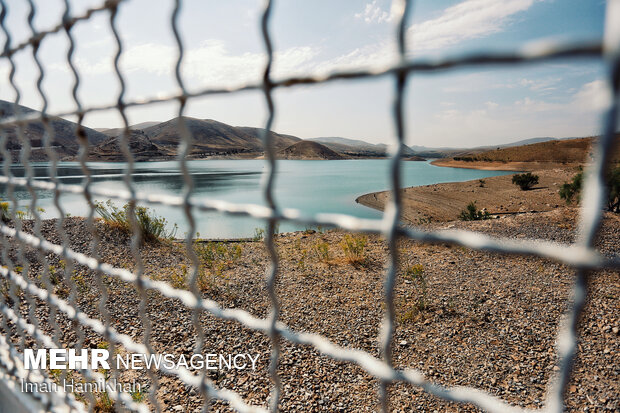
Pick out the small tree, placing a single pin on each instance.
(473, 214)
(613, 186)
(525, 181)
(570, 191)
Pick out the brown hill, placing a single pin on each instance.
(415, 158)
(141, 147)
(356, 148)
(214, 138)
(308, 150)
(210, 137)
(64, 141)
(280, 141)
(538, 155)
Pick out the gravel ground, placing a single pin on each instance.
(463, 317)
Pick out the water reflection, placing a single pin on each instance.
(311, 186)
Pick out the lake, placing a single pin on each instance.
(311, 186)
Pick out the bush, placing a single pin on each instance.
(321, 250)
(525, 181)
(353, 248)
(4, 211)
(152, 227)
(215, 258)
(570, 191)
(473, 214)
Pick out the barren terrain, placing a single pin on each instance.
(498, 195)
(463, 317)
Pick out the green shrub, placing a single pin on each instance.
(152, 227)
(414, 272)
(473, 214)
(613, 186)
(525, 181)
(569, 191)
(215, 257)
(259, 234)
(321, 250)
(353, 248)
(572, 190)
(4, 211)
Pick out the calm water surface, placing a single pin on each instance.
(311, 186)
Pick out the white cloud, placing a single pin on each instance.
(467, 20)
(540, 85)
(211, 63)
(528, 105)
(375, 14)
(363, 57)
(578, 114)
(448, 115)
(593, 96)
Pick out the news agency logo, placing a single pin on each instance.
(62, 359)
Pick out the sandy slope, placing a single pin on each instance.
(444, 202)
(502, 166)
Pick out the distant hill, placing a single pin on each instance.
(357, 148)
(118, 131)
(308, 150)
(143, 125)
(565, 151)
(442, 152)
(279, 140)
(64, 141)
(141, 147)
(553, 152)
(160, 140)
(210, 137)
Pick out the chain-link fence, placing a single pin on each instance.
(580, 255)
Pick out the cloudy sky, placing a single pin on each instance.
(464, 107)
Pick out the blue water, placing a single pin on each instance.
(311, 186)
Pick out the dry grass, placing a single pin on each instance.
(565, 151)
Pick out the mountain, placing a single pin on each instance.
(280, 141)
(64, 141)
(358, 148)
(114, 132)
(308, 150)
(144, 125)
(141, 147)
(210, 137)
(557, 151)
(442, 152)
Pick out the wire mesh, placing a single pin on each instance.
(581, 255)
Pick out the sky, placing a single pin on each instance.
(223, 47)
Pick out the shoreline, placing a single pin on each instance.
(497, 195)
(501, 166)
